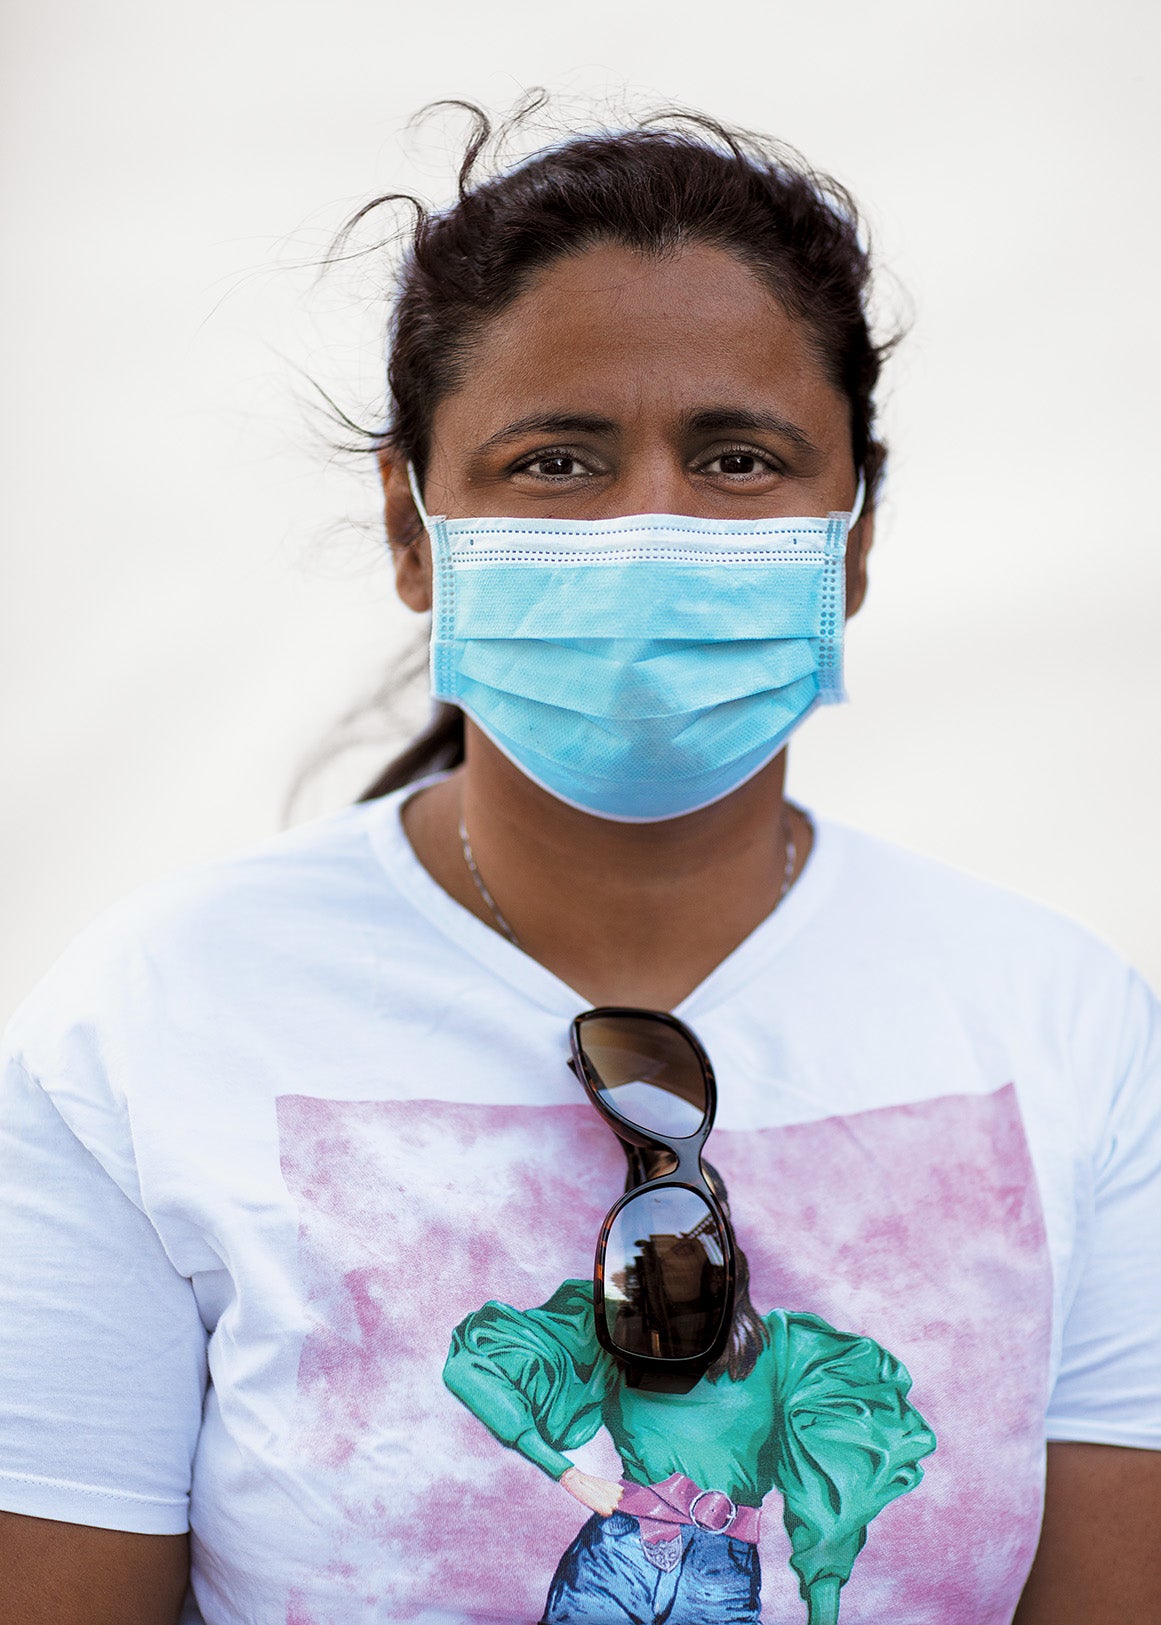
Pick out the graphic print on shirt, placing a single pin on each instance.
(794, 1406)
(450, 1374)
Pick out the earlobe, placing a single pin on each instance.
(405, 534)
(413, 576)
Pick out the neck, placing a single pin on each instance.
(632, 914)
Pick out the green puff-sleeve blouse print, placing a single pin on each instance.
(822, 1417)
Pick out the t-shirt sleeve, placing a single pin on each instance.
(1108, 1390)
(102, 1349)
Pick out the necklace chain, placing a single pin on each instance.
(502, 925)
(506, 930)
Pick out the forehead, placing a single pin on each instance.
(628, 335)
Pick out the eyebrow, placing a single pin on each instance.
(706, 420)
(550, 423)
(718, 418)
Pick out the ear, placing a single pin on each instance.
(858, 547)
(410, 546)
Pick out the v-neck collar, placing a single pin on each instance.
(501, 958)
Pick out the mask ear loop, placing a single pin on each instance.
(857, 509)
(417, 497)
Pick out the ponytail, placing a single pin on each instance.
(438, 748)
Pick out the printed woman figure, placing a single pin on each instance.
(793, 1405)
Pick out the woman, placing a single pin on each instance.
(790, 1404)
(283, 1123)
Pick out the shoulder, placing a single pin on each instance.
(571, 1302)
(1031, 993)
(881, 876)
(968, 931)
(206, 940)
(564, 1323)
(324, 863)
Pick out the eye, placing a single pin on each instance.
(553, 465)
(739, 463)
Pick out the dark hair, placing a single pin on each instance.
(673, 179)
(748, 1334)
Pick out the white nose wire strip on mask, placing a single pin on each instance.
(428, 520)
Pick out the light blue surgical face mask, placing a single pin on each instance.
(638, 668)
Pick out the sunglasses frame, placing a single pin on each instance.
(657, 1373)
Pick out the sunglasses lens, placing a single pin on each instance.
(647, 1072)
(665, 1276)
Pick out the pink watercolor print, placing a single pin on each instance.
(913, 1231)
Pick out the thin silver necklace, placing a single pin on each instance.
(506, 930)
(502, 925)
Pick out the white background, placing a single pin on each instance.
(189, 602)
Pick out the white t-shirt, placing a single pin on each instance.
(301, 1200)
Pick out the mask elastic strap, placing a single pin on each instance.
(417, 498)
(860, 495)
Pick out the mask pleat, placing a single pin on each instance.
(622, 681)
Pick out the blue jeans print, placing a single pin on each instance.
(605, 1578)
